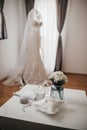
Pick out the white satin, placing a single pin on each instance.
(29, 66)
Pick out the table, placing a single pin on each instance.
(72, 116)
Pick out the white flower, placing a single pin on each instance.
(58, 77)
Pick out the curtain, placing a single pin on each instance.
(29, 5)
(49, 32)
(61, 13)
(3, 30)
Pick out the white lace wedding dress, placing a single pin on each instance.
(29, 66)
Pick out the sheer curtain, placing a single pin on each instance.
(49, 33)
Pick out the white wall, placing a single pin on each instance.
(9, 48)
(75, 45)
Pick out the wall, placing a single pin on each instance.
(13, 10)
(75, 45)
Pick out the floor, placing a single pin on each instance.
(75, 81)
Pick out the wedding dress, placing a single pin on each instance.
(29, 65)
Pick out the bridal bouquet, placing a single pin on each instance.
(58, 78)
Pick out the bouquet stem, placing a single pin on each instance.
(57, 92)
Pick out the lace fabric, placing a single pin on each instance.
(29, 65)
(48, 105)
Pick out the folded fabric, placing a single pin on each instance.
(48, 105)
(33, 92)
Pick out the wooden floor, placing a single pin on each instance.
(76, 81)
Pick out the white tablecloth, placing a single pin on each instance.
(73, 115)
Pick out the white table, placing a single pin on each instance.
(72, 116)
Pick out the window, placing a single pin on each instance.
(49, 33)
